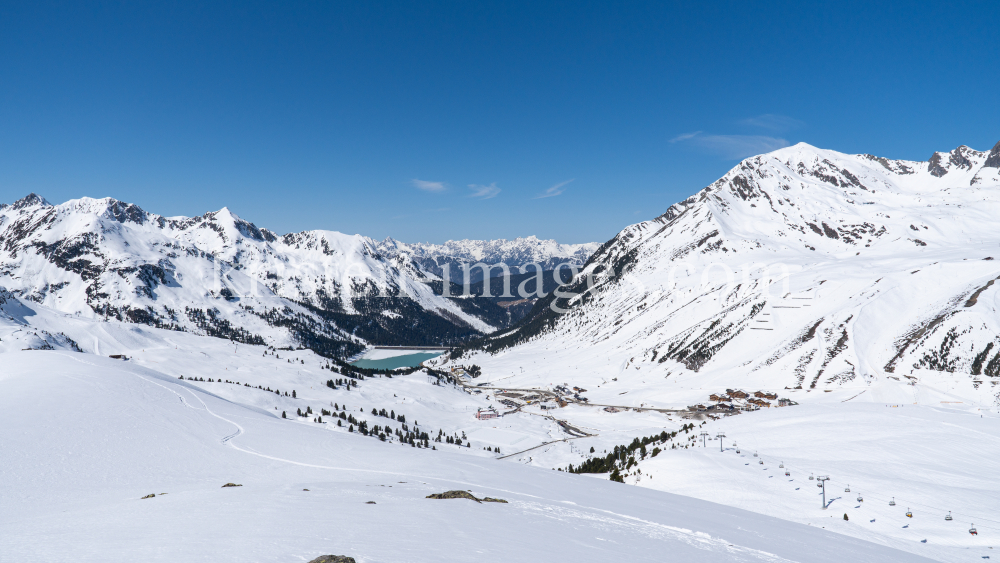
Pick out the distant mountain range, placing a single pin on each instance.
(801, 268)
(515, 253)
(220, 275)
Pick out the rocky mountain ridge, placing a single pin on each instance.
(223, 276)
(547, 254)
(801, 268)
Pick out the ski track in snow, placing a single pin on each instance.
(698, 540)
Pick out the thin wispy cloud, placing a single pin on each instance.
(484, 192)
(428, 186)
(685, 137)
(734, 147)
(738, 147)
(555, 190)
(773, 122)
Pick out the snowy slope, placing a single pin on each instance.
(931, 460)
(87, 437)
(799, 269)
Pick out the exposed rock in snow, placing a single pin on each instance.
(801, 268)
(220, 275)
(514, 253)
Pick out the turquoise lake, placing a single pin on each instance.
(405, 361)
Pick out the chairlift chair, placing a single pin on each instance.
(973, 531)
(819, 484)
(892, 502)
(781, 465)
(948, 517)
(761, 462)
(848, 489)
(755, 454)
(811, 477)
(787, 474)
(908, 513)
(737, 450)
(861, 499)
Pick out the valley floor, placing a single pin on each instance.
(86, 438)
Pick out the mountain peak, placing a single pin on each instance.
(31, 200)
(993, 160)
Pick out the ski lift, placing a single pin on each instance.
(819, 484)
(861, 499)
(755, 454)
(848, 489)
(761, 462)
(948, 517)
(908, 513)
(892, 502)
(787, 474)
(973, 531)
(811, 477)
(781, 465)
(737, 450)
(734, 444)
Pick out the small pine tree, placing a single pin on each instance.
(293, 393)
(845, 516)
(591, 449)
(283, 415)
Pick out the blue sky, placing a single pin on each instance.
(429, 121)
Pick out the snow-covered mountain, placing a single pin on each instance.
(802, 268)
(515, 253)
(223, 276)
(656, 334)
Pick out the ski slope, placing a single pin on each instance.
(930, 460)
(826, 429)
(85, 438)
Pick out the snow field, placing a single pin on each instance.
(85, 438)
(932, 460)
